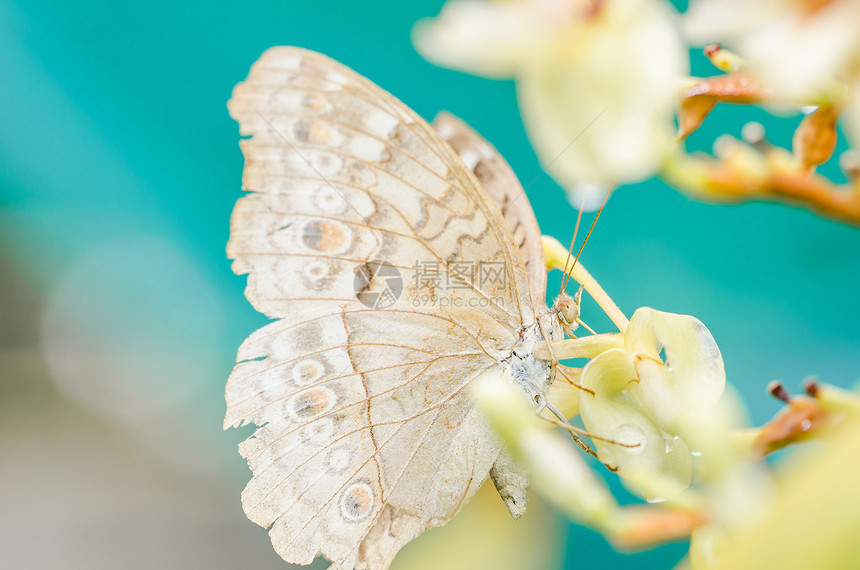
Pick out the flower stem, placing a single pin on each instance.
(584, 347)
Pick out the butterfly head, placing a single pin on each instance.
(567, 310)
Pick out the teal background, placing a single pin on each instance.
(115, 131)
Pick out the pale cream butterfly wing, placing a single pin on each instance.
(368, 435)
(498, 179)
(344, 174)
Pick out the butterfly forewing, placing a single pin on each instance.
(341, 173)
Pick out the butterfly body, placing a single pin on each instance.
(401, 264)
(531, 374)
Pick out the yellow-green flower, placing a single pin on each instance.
(804, 50)
(597, 81)
(657, 401)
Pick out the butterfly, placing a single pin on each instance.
(401, 261)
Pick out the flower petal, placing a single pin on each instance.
(651, 461)
(606, 73)
(797, 49)
(690, 381)
(610, 86)
(484, 38)
(557, 471)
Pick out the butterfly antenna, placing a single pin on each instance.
(570, 249)
(593, 223)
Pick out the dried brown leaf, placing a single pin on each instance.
(815, 139)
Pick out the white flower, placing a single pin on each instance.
(597, 82)
(802, 49)
(652, 461)
(661, 394)
(684, 383)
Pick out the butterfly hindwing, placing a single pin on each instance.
(501, 184)
(353, 411)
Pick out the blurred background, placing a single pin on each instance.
(120, 317)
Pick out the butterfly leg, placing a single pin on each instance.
(564, 375)
(544, 404)
(575, 432)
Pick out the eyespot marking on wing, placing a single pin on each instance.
(307, 371)
(314, 102)
(311, 403)
(317, 271)
(316, 132)
(327, 200)
(318, 432)
(356, 501)
(326, 236)
(339, 459)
